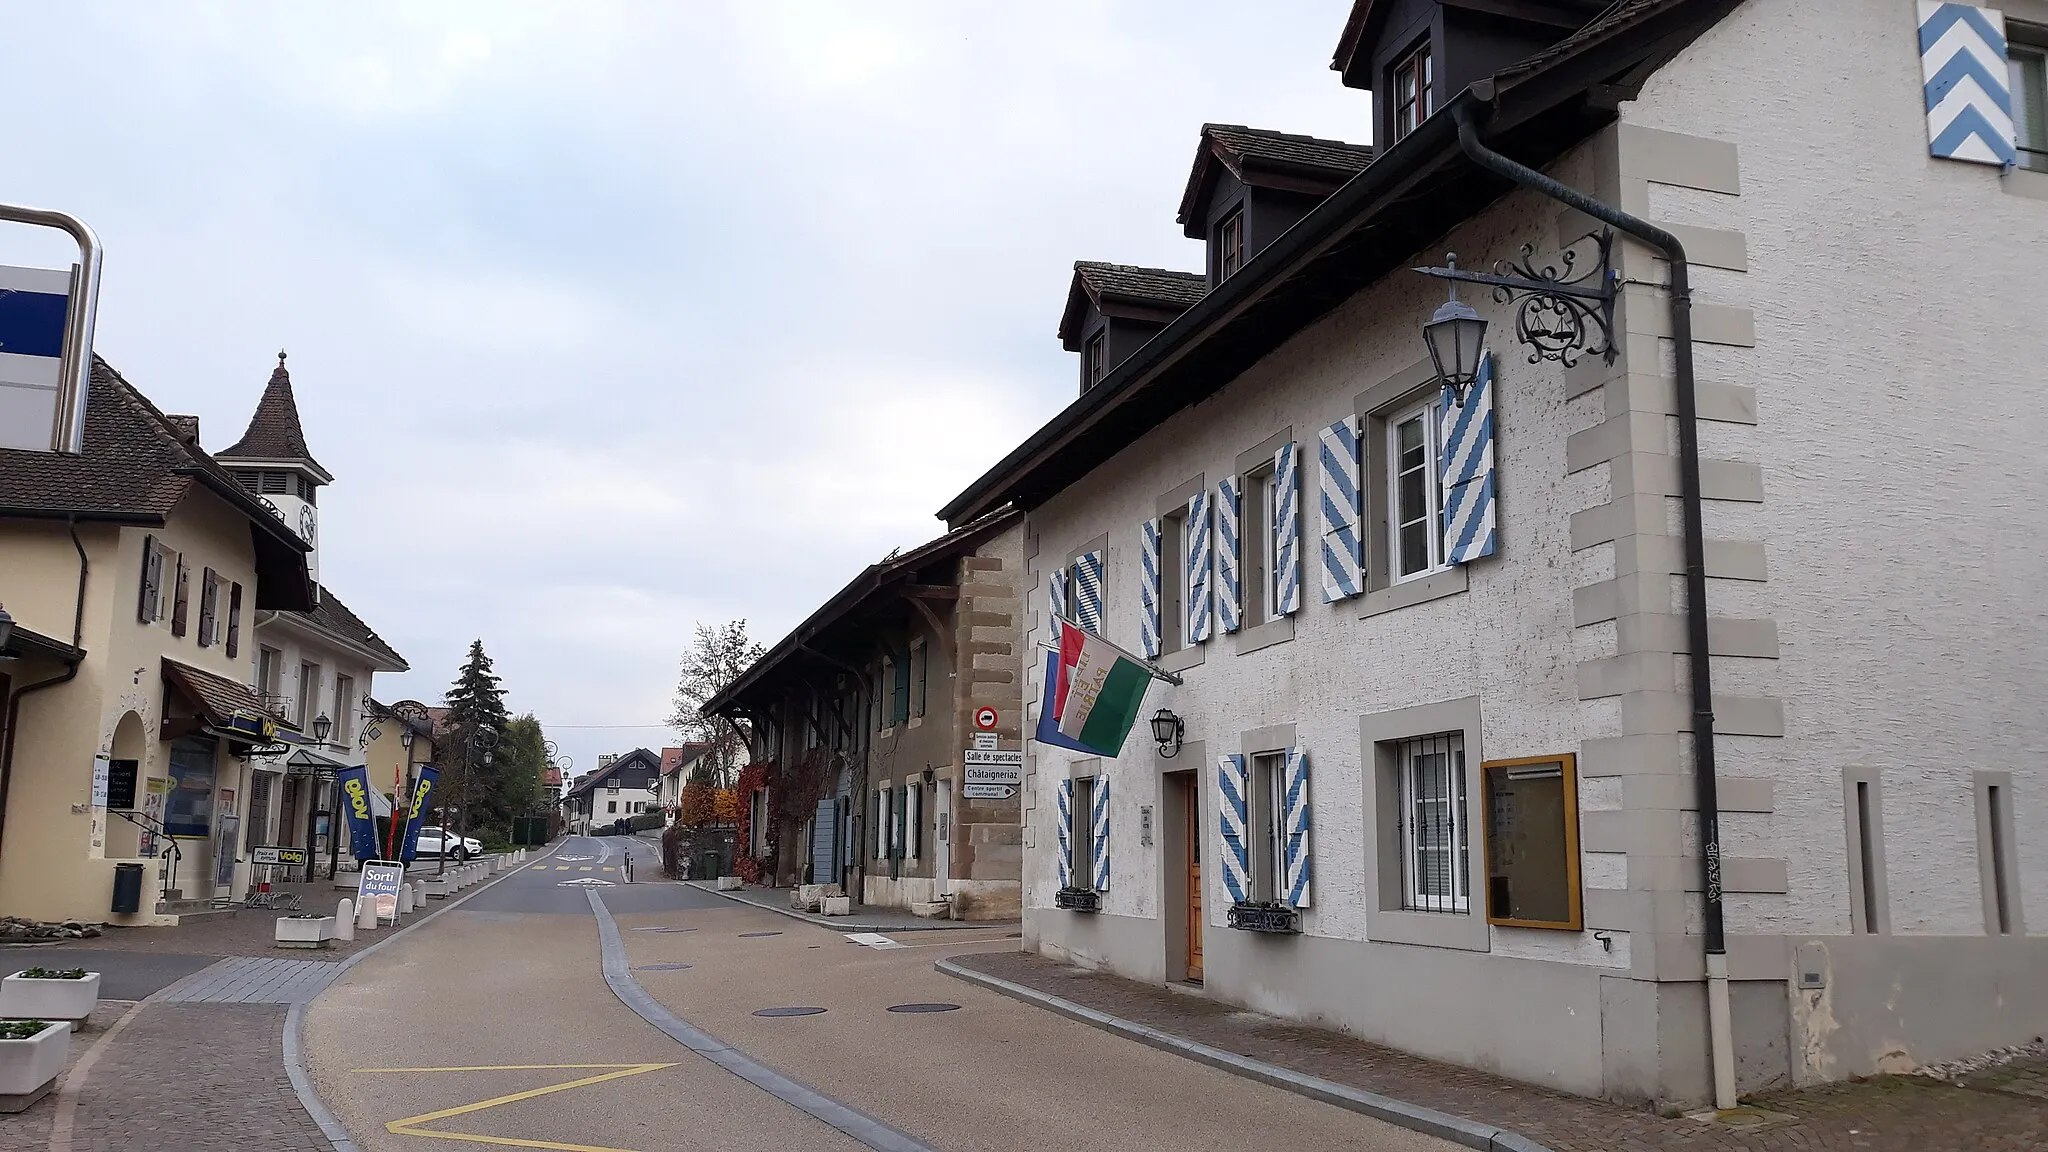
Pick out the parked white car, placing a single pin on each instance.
(434, 841)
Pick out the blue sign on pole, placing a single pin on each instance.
(353, 786)
(422, 792)
(34, 305)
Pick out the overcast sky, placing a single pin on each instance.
(610, 318)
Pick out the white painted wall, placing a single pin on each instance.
(1899, 368)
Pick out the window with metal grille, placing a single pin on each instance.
(1436, 849)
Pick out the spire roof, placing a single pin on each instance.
(274, 432)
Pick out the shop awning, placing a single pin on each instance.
(228, 708)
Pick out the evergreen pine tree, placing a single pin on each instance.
(475, 704)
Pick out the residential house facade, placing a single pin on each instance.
(133, 572)
(1437, 726)
(860, 719)
(624, 786)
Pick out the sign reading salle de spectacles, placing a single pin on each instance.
(991, 774)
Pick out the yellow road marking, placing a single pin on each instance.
(586, 868)
(606, 868)
(410, 1126)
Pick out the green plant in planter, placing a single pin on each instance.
(21, 1029)
(54, 974)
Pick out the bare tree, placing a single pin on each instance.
(717, 658)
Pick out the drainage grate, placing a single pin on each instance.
(924, 1007)
(787, 1011)
(661, 967)
(750, 935)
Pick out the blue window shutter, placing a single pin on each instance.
(1148, 588)
(1088, 592)
(1066, 823)
(1343, 548)
(1286, 550)
(1295, 823)
(1231, 815)
(1967, 86)
(1100, 824)
(1200, 541)
(1056, 594)
(1467, 437)
(1229, 553)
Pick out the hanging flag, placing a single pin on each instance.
(1048, 717)
(1100, 689)
(416, 816)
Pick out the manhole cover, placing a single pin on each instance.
(924, 1007)
(746, 935)
(661, 967)
(788, 1011)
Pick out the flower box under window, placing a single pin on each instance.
(1077, 900)
(1276, 918)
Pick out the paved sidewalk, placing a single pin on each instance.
(1887, 1114)
(871, 920)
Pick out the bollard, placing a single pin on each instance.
(345, 919)
(366, 916)
(419, 894)
(404, 899)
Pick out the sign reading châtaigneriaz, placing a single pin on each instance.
(993, 766)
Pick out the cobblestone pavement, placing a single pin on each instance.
(194, 1078)
(30, 1131)
(1887, 1114)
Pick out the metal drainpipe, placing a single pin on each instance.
(70, 674)
(1720, 1026)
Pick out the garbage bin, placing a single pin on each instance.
(127, 887)
(707, 866)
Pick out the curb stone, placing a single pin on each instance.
(854, 923)
(1400, 1113)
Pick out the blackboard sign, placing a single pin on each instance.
(121, 784)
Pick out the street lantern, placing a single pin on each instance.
(405, 734)
(1167, 730)
(321, 727)
(1456, 336)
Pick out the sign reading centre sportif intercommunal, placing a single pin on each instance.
(986, 766)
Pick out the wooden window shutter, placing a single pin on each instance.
(1467, 461)
(1148, 588)
(235, 621)
(152, 580)
(181, 598)
(1286, 550)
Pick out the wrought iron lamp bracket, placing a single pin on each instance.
(1561, 312)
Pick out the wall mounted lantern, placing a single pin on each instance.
(1167, 730)
(1560, 313)
(321, 726)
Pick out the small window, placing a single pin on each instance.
(269, 668)
(2028, 68)
(1532, 842)
(1094, 360)
(920, 672)
(1415, 532)
(234, 621)
(1435, 850)
(1267, 791)
(1230, 245)
(611, 806)
(1414, 91)
(1081, 832)
(1256, 545)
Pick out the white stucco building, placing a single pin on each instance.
(1456, 781)
(623, 786)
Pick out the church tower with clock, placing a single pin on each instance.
(271, 460)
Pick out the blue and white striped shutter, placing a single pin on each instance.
(1295, 820)
(1343, 541)
(1088, 592)
(1231, 815)
(1966, 83)
(1148, 588)
(1056, 594)
(1200, 541)
(1286, 551)
(1100, 823)
(1066, 823)
(1467, 432)
(1229, 553)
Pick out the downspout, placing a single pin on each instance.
(1720, 1027)
(70, 674)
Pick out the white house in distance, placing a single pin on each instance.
(1654, 725)
(623, 785)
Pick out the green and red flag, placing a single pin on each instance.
(1095, 697)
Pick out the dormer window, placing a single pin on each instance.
(1094, 360)
(1230, 245)
(1414, 90)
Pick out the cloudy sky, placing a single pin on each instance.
(610, 318)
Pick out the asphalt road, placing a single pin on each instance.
(493, 1024)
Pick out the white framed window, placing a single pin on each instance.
(1415, 498)
(2027, 66)
(309, 688)
(1436, 850)
(344, 714)
(269, 668)
(1081, 832)
(1266, 796)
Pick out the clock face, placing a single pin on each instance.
(307, 525)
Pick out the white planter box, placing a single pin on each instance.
(838, 905)
(29, 1068)
(728, 883)
(931, 909)
(25, 999)
(311, 932)
(439, 889)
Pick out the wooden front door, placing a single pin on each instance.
(1191, 805)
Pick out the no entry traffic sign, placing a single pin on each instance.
(985, 719)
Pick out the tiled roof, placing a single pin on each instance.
(674, 760)
(274, 432)
(130, 468)
(625, 761)
(1158, 285)
(1617, 17)
(217, 697)
(1244, 143)
(334, 616)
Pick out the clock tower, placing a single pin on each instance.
(271, 460)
